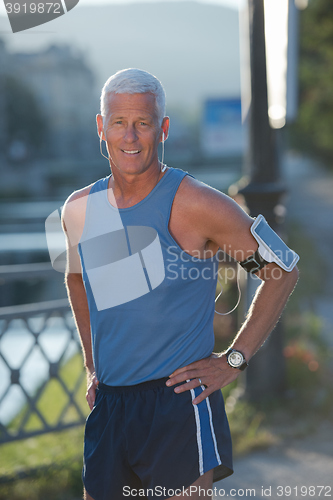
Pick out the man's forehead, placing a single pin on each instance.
(143, 102)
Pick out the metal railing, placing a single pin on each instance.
(37, 342)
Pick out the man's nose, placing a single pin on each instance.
(130, 134)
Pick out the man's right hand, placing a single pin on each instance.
(92, 384)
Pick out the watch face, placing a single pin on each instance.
(235, 359)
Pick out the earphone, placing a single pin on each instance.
(239, 295)
(164, 166)
(100, 145)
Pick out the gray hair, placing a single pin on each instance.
(134, 81)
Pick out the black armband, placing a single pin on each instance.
(254, 263)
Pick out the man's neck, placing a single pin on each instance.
(130, 189)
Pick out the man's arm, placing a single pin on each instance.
(266, 308)
(73, 223)
(223, 222)
(78, 302)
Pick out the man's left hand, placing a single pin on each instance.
(213, 372)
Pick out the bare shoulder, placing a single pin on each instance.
(76, 201)
(209, 205)
(74, 211)
(213, 216)
(79, 195)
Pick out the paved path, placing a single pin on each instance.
(294, 471)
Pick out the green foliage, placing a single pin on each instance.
(311, 276)
(248, 428)
(314, 128)
(306, 352)
(56, 483)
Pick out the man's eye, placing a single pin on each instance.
(143, 123)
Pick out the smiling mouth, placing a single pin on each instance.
(134, 152)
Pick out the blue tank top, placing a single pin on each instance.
(151, 304)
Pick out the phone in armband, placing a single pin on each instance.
(271, 247)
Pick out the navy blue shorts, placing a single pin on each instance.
(147, 437)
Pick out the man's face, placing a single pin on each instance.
(132, 132)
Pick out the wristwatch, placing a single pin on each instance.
(236, 359)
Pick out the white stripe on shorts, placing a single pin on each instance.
(197, 420)
(213, 431)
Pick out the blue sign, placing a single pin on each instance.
(222, 133)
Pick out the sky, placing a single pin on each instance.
(230, 3)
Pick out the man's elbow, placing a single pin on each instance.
(294, 275)
(272, 272)
(290, 279)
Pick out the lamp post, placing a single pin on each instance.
(262, 194)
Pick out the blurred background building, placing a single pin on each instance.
(62, 85)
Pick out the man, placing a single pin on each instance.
(142, 252)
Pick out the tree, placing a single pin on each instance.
(313, 130)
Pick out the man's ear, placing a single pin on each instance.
(165, 128)
(100, 127)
